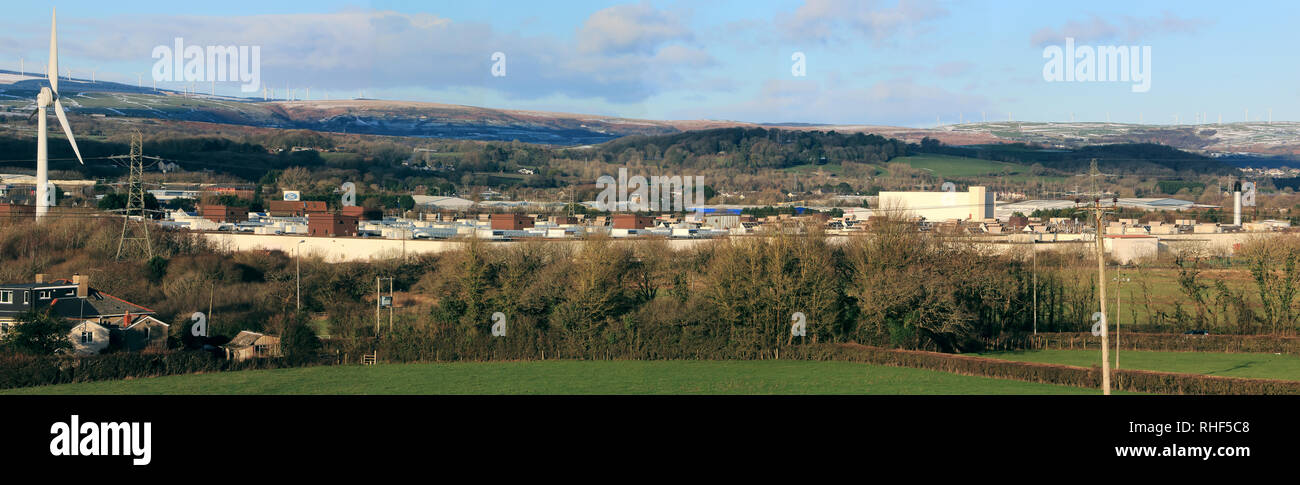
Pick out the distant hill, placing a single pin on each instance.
(1257, 138)
(394, 118)
(436, 120)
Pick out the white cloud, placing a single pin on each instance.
(1123, 29)
(630, 28)
(841, 20)
(621, 54)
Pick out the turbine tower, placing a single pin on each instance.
(49, 95)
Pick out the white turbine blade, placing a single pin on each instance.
(67, 130)
(52, 69)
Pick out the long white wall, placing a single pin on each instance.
(344, 249)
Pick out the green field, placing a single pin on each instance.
(949, 166)
(1259, 366)
(811, 168)
(572, 377)
(1159, 287)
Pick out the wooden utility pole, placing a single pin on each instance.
(1101, 277)
(1101, 298)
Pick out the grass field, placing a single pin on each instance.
(1260, 366)
(572, 377)
(810, 168)
(949, 166)
(1162, 291)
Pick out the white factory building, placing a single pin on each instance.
(975, 204)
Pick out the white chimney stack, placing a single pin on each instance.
(1236, 205)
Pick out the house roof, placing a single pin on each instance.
(88, 323)
(147, 318)
(97, 304)
(42, 286)
(244, 339)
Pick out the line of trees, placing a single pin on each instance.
(720, 299)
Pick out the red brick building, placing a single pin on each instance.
(513, 222)
(632, 221)
(223, 213)
(363, 213)
(295, 208)
(17, 212)
(324, 224)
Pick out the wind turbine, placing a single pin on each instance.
(47, 96)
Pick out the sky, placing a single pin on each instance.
(889, 62)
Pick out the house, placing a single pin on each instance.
(17, 299)
(249, 345)
(128, 324)
(89, 338)
(142, 333)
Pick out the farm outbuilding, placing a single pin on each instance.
(250, 345)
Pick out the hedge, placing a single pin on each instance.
(1164, 342)
(23, 371)
(1121, 379)
(18, 370)
(962, 364)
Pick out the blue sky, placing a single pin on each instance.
(892, 62)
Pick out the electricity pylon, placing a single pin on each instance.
(136, 232)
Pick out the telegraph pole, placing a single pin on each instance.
(1101, 298)
(1101, 279)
